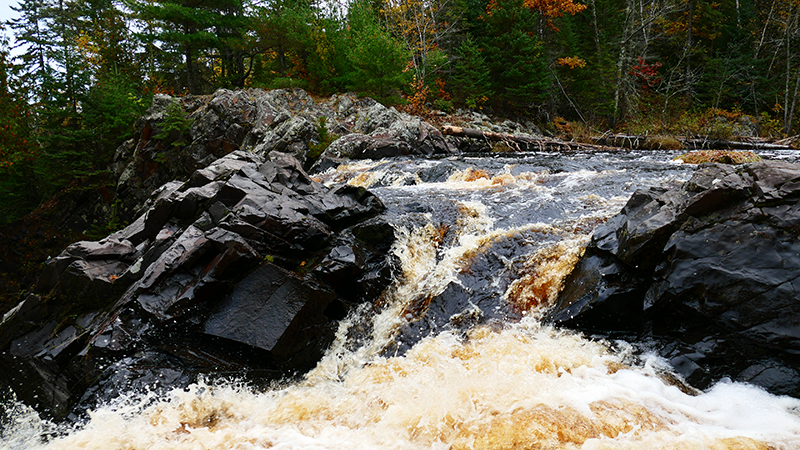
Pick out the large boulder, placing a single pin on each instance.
(706, 274)
(380, 132)
(243, 268)
(180, 135)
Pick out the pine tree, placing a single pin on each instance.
(200, 31)
(377, 58)
(471, 79)
(514, 54)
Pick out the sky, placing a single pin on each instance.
(5, 10)
(7, 13)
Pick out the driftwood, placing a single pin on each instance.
(690, 143)
(723, 144)
(518, 142)
(525, 142)
(792, 141)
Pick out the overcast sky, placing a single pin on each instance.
(5, 14)
(5, 9)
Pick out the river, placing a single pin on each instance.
(491, 238)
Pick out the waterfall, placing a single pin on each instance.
(492, 238)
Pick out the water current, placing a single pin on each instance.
(494, 237)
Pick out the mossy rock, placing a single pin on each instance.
(718, 156)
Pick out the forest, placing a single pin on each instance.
(82, 71)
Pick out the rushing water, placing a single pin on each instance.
(502, 231)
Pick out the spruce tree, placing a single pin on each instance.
(200, 31)
(377, 58)
(471, 79)
(34, 35)
(18, 152)
(514, 54)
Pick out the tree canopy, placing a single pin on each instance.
(83, 70)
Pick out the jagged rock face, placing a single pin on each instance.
(383, 132)
(245, 267)
(707, 273)
(258, 121)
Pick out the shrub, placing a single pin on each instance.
(176, 124)
(287, 83)
(325, 139)
(443, 105)
(769, 127)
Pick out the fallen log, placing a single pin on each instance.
(724, 144)
(519, 142)
(654, 142)
(791, 141)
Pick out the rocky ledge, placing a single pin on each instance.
(705, 274)
(173, 142)
(170, 297)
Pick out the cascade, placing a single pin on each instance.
(454, 354)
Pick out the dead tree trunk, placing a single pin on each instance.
(517, 142)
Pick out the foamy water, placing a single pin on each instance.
(525, 386)
(512, 385)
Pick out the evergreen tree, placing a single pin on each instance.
(201, 31)
(18, 152)
(472, 78)
(111, 109)
(58, 79)
(377, 58)
(284, 38)
(107, 43)
(514, 54)
(33, 34)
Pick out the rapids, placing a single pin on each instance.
(503, 231)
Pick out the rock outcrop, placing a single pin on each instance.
(242, 269)
(172, 143)
(706, 274)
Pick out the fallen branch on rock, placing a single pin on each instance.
(724, 144)
(655, 142)
(519, 142)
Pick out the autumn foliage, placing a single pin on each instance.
(85, 69)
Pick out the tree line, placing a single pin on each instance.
(84, 70)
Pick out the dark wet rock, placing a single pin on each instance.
(479, 294)
(278, 311)
(381, 132)
(707, 272)
(237, 270)
(21, 319)
(253, 120)
(149, 372)
(360, 264)
(39, 383)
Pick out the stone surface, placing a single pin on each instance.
(381, 132)
(278, 311)
(224, 273)
(707, 273)
(284, 120)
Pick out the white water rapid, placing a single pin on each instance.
(505, 230)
